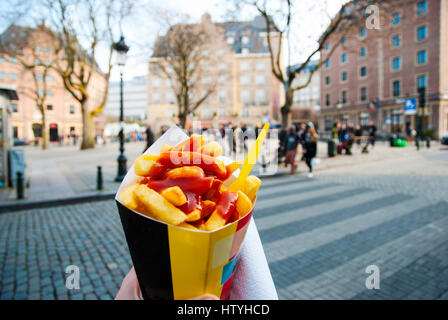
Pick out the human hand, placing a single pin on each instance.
(130, 289)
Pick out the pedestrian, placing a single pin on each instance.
(290, 146)
(372, 133)
(281, 141)
(149, 137)
(310, 147)
(358, 134)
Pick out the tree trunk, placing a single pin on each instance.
(286, 115)
(182, 120)
(44, 132)
(88, 129)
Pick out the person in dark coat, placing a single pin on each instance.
(290, 146)
(149, 137)
(372, 133)
(310, 147)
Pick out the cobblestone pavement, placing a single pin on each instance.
(319, 236)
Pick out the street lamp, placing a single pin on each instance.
(121, 49)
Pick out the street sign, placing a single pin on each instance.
(388, 119)
(410, 106)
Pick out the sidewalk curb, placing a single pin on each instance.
(33, 204)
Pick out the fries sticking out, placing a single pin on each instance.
(184, 186)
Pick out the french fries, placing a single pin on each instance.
(175, 195)
(251, 186)
(159, 207)
(184, 186)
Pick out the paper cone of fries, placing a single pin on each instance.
(179, 260)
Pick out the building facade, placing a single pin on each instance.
(306, 102)
(62, 111)
(246, 91)
(373, 72)
(135, 98)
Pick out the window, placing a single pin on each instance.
(344, 58)
(222, 79)
(50, 107)
(222, 66)
(344, 96)
(362, 52)
(421, 57)
(39, 77)
(156, 98)
(206, 80)
(246, 112)
(363, 71)
(170, 97)
(396, 63)
(222, 112)
(396, 18)
(245, 79)
(363, 93)
(396, 88)
(2, 75)
(327, 63)
(245, 96)
(49, 79)
(206, 65)
(206, 113)
(422, 8)
(344, 76)
(261, 95)
(260, 65)
(245, 51)
(206, 53)
(13, 76)
(2, 59)
(219, 53)
(422, 32)
(72, 109)
(328, 123)
(14, 107)
(343, 39)
(295, 96)
(259, 79)
(15, 132)
(327, 46)
(362, 32)
(13, 59)
(327, 80)
(245, 40)
(222, 95)
(230, 40)
(421, 82)
(37, 62)
(396, 41)
(156, 83)
(50, 92)
(327, 99)
(245, 65)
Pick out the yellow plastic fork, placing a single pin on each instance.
(250, 160)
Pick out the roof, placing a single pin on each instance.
(252, 32)
(308, 68)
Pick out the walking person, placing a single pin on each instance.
(149, 137)
(290, 146)
(372, 133)
(310, 147)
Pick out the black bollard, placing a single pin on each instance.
(99, 179)
(19, 185)
(428, 142)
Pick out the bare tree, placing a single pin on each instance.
(82, 26)
(279, 19)
(31, 47)
(187, 56)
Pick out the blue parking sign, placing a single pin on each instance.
(410, 106)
